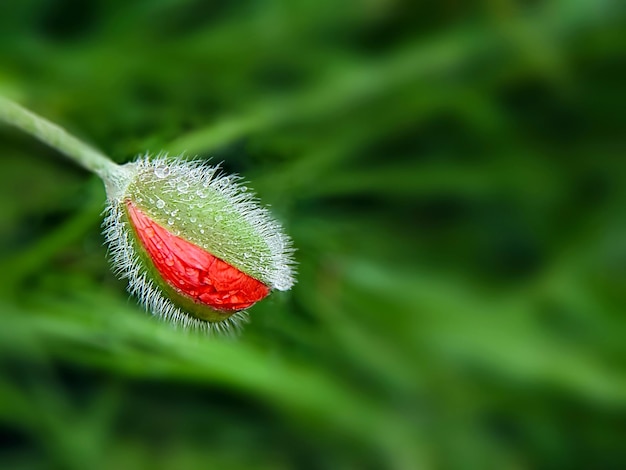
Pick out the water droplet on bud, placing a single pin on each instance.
(161, 171)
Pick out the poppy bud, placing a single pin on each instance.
(194, 243)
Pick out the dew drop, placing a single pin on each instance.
(183, 186)
(201, 193)
(169, 261)
(160, 203)
(161, 171)
(202, 231)
(193, 220)
(170, 221)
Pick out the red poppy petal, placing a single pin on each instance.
(193, 271)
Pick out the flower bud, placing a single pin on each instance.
(194, 244)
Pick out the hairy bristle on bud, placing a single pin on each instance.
(195, 244)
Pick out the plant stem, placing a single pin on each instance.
(55, 136)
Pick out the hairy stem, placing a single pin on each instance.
(56, 137)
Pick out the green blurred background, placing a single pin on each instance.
(452, 174)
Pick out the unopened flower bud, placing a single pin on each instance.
(194, 244)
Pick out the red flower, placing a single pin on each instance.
(196, 246)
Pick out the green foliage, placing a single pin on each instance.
(452, 176)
